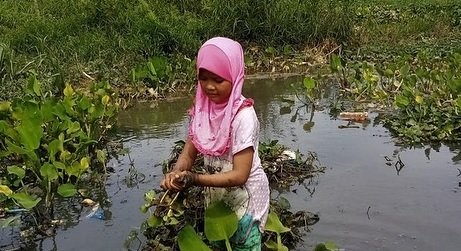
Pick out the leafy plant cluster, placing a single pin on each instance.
(175, 218)
(179, 221)
(397, 24)
(284, 171)
(48, 144)
(395, 13)
(107, 39)
(162, 75)
(423, 91)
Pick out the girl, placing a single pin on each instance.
(224, 128)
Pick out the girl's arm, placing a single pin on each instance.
(184, 163)
(187, 157)
(242, 162)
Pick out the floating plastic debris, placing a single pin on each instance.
(96, 212)
(354, 116)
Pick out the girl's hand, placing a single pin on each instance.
(171, 182)
(187, 179)
(178, 181)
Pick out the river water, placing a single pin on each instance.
(365, 201)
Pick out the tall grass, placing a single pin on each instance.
(105, 39)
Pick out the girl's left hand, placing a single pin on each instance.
(187, 179)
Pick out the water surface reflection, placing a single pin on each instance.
(364, 203)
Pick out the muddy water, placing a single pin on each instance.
(364, 201)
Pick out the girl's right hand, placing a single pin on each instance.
(171, 181)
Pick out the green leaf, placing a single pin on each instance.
(150, 196)
(154, 221)
(105, 99)
(5, 190)
(59, 165)
(67, 190)
(274, 246)
(5, 106)
(402, 101)
(458, 102)
(220, 222)
(188, 239)
(33, 86)
(54, 147)
(404, 70)
(101, 156)
(309, 83)
(68, 91)
(15, 149)
(273, 224)
(73, 127)
(75, 169)
(388, 73)
(284, 203)
(65, 155)
(321, 247)
(84, 163)
(335, 63)
(144, 208)
(47, 110)
(151, 68)
(68, 104)
(10, 221)
(84, 103)
(162, 67)
(419, 99)
(16, 170)
(49, 171)
(173, 221)
(7, 129)
(25, 200)
(331, 245)
(30, 133)
(271, 244)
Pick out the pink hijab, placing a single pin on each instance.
(210, 125)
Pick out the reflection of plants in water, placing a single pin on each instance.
(134, 177)
(314, 95)
(48, 145)
(397, 164)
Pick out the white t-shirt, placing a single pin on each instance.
(252, 199)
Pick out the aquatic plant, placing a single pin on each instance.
(47, 144)
(172, 215)
(422, 91)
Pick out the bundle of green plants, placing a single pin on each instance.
(49, 145)
(423, 93)
(179, 220)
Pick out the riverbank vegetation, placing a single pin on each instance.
(148, 46)
(403, 56)
(50, 147)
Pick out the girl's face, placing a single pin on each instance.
(215, 87)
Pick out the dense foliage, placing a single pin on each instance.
(423, 93)
(106, 39)
(48, 144)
